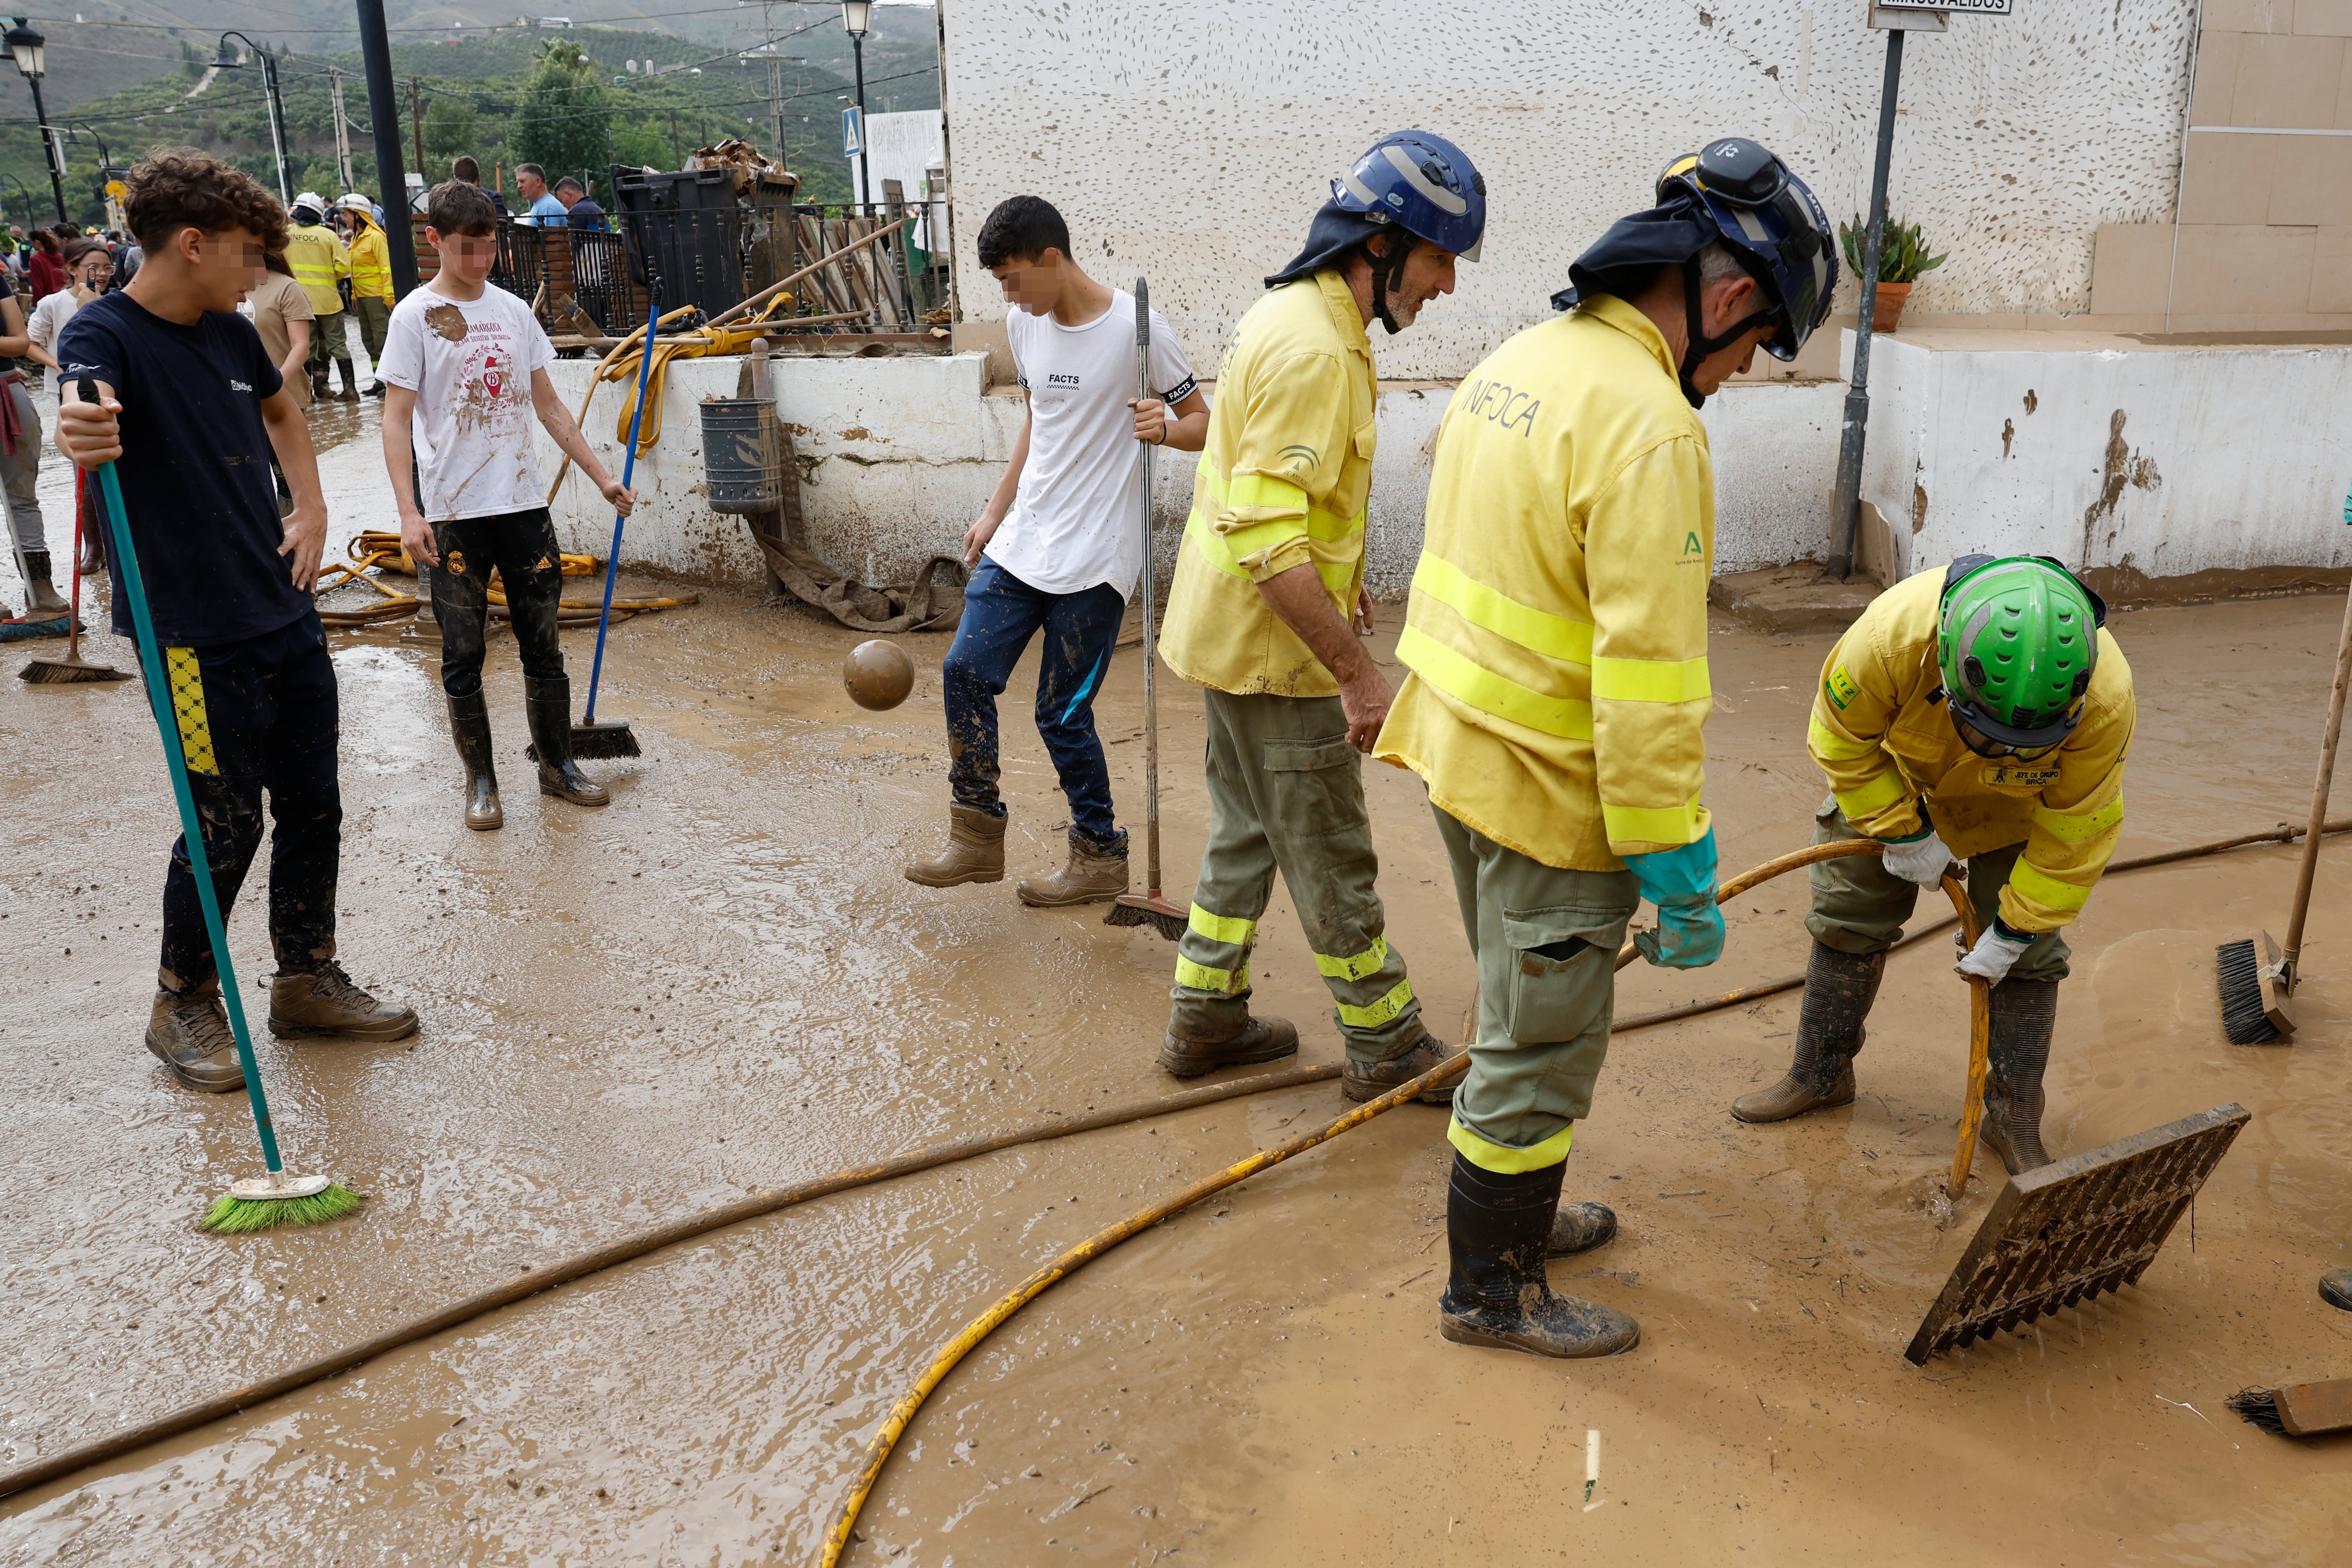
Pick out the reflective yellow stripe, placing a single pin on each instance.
(1231, 930)
(2045, 889)
(1263, 490)
(1648, 680)
(1870, 799)
(1651, 825)
(1379, 1012)
(1458, 678)
(1255, 537)
(1368, 962)
(188, 705)
(1831, 746)
(2074, 828)
(1505, 1161)
(1554, 636)
(1201, 978)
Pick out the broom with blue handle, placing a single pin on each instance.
(257, 1203)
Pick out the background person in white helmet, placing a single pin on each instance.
(321, 264)
(1269, 574)
(371, 279)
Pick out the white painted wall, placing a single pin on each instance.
(1192, 142)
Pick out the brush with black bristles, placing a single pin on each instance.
(2298, 1410)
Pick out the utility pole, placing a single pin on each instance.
(384, 122)
(228, 59)
(343, 128)
(416, 123)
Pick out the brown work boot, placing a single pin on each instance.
(1359, 1081)
(2024, 1012)
(1093, 877)
(1262, 1039)
(1580, 1227)
(189, 1033)
(975, 852)
(325, 1004)
(1839, 989)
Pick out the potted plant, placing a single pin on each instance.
(1902, 258)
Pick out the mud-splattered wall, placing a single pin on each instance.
(1192, 142)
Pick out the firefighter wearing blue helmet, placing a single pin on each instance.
(1269, 575)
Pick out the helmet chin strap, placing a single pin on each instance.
(1701, 345)
(1386, 269)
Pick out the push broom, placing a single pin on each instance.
(60, 671)
(260, 1202)
(2256, 978)
(1148, 909)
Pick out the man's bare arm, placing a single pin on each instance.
(1000, 500)
(399, 465)
(1298, 598)
(557, 421)
(306, 525)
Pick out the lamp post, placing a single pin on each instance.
(25, 46)
(383, 119)
(228, 60)
(854, 15)
(74, 128)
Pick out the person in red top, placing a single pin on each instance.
(47, 268)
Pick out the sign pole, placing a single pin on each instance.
(1846, 509)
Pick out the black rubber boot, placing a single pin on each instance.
(469, 726)
(42, 600)
(549, 703)
(1839, 990)
(2025, 1011)
(349, 377)
(1497, 1230)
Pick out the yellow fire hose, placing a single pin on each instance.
(878, 1452)
(373, 549)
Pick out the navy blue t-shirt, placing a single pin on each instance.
(194, 470)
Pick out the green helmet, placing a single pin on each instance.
(2016, 641)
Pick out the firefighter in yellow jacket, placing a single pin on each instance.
(1980, 712)
(1556, 638)
(1270, 571)
(322, 263)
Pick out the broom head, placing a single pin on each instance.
(62, 672)
(2298, 1410)
(599, 742)
(2254, 1006)
(1138, 909)
(278, 1199)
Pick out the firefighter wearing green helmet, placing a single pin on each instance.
(1979, 712)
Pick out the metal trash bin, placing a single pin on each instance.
(742, 456)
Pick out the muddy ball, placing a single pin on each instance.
(878, 674)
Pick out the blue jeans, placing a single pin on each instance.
(1001, 613)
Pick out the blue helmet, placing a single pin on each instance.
(1422, 184)
(1770, 222)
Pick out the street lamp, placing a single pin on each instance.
(74, 128)
(854, 15)
(228, 59)
(25, 46)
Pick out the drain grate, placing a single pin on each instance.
(2089, 1223)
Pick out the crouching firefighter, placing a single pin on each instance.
(1980, 712)
(1556, 638)
(1270, 573)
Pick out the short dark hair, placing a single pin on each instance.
(569, 184)
(462, 168)
(456, 206)
(1021, 229)
(533, 170)
(175, 188)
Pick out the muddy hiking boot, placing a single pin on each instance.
(2335, 1289)
(323, 1004)
(189, 1033)
(1839, 989)
(975, 852)
(1361, 1081)
(1094, 876)
(1497, 1231)
(469, 726)
(43, 601)
(1262, 1039)
(1580, 1227)
(2025, 1011)
(548, 705)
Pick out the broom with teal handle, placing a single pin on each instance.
(258, 1202)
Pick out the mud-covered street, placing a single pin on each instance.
(721, 982)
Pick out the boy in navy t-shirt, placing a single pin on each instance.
(190, 411)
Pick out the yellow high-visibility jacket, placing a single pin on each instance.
(1882, 732)
(1556, 633)
(1281, 482)
(371, 265)
(318, 256)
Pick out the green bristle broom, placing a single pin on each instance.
(258, 1202)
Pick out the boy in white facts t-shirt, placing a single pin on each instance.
(466, 365)
(1062, 538)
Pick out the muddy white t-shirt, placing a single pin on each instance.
(1077, 518)
(469, 362)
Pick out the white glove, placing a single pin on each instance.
(1988, 961)
(1921, 860)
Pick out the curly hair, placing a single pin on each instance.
(175, 188)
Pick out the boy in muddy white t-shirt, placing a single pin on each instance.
(466, 365)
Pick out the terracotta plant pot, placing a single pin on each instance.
(1890, 306)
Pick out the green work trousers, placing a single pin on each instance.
(1546, 943)
(1859, 906)
(1286, 792)
(375, 318)
(327, 339)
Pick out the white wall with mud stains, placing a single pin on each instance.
(1192, 142)
(2131, 462)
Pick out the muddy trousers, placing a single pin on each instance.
(1286, 792)
(520, 546)
(327, 341)
(19, 470)
(1000, 614)
(375, 319)
(1859, 906)
(257, 718)
(1545, 942)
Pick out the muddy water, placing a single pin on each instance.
(721, 982)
